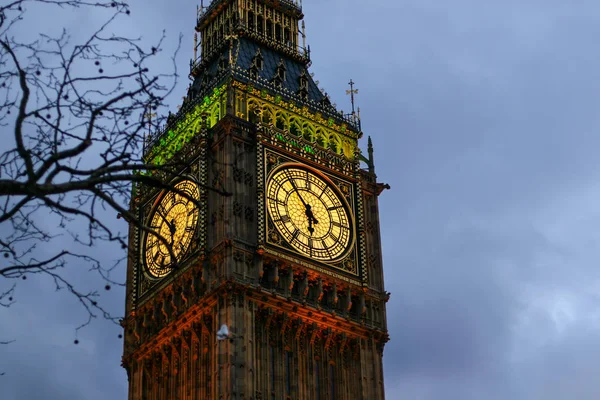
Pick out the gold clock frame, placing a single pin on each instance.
(181, 232)
(309, 212)
(349, 265)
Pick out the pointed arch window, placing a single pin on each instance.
(253, 115)
(308, 133)
(333, 144)
(280, 122)
(281, 70)
(253, 73)
(320, 138)
(267, 116)
(279, 77)
(257, 60)
(295, 128)
(303, 80)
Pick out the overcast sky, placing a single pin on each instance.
(484, 116)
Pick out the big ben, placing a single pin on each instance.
(257, 270)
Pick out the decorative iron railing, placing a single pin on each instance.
(204, 11)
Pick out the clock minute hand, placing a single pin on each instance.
(169, 224)
(297, 191)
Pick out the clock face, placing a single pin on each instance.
(309, 213)
(174, 218)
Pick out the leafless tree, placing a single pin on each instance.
(73, 115)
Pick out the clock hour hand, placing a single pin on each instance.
(311, 219)
(172, 229)
(310, 215)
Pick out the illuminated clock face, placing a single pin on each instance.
(174, 219)
(309, 213)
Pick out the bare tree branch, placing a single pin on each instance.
(76, 147)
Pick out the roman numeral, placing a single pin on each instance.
(334, 207)
(278, 201)
(328, 252)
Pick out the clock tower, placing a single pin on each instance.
(259, 274)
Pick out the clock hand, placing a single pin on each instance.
(296, 190)
(172, 227)
(172, 230)
(310, 215)
(310, 227)
(164, 217)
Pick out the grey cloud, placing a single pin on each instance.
(484, 120)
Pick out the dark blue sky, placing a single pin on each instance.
(484, 118)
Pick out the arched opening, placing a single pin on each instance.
(251, 23)
(308, 132)
(259, 25)
(320, 138)
(295, 127)
(269, 29)
(287, 36)
(253, 115)
(267, 116)
(334, 144)
(280, 122)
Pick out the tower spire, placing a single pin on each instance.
(370, 152)
(303, 35)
